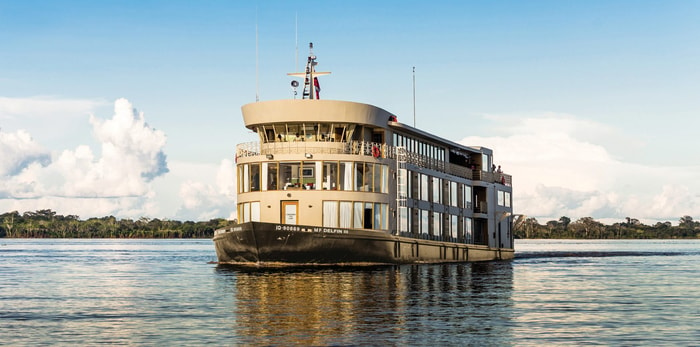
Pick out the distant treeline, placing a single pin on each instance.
(48, 224)
(588, 228)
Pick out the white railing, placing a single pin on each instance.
(374, 149)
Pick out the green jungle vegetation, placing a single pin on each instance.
(48, 224)
(589, 228)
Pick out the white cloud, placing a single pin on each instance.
(46, 107)
(562, 167)
(19, 150)
(115, 181)
(203, 201)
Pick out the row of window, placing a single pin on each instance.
(432, 225)
(419, 147)
(326, 175)
(336, 214)
(355, 214)
(291, 132)
(434, 189)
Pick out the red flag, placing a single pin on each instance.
(317, 87)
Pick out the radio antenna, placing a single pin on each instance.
(296, 41)
(257, 68)
(414, 96)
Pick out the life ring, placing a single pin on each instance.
(375, 152)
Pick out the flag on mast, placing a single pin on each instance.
(317, 87)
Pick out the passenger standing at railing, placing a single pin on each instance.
(501, 178)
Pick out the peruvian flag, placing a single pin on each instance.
(317, 87)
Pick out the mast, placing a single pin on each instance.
(312, 88)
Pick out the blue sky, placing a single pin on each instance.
(591, 105)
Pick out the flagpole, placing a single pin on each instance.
(257, 60)
(414, 96)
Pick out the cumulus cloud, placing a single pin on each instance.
(562, 166)
(19, 150)
(203, 201)
(115, 180)
(45, 107)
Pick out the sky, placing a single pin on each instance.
(132, 108)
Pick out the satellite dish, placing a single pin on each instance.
(295, 84)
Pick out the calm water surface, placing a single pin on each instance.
(165, 292)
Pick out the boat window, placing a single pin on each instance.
(403, 220)
(501, 198)
(246, 212)
(467, 196)
(289, 175)
(330, 175)
(385, 216)
(269, 133)
(243, 173)
(254, 177)
(507, 199)
(338, 134)
(255, 211)
(272, 176)
(437, 224)
(378, 217)
(308, 175)
(345, 214)
(346, 169)
(453, 193)
(330, 214)
(350, 132)
(325, 133)
(358, 214)
(280, 132)
(294, 132)
(424, 187)
(369, 177)
(468, 230)
(437, 190)
(368, 216)
(310, 132)
(424, 224)
(385, 179)
(405, 177)
(359, 176)
(454, 228)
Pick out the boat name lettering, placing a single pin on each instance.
(237, 229)
(330, 231)
(285, 227)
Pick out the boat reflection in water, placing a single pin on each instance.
(380, 305)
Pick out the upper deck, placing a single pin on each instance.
(313, 111)
(301, 148)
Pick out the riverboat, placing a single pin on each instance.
(344, 183)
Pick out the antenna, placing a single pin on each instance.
(414, 96)
(257, 69)
(310, 75)
(296, 41)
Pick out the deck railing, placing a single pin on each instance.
(250, 149)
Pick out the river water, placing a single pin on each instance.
(166, 292)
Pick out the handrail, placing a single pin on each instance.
(251, 149)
